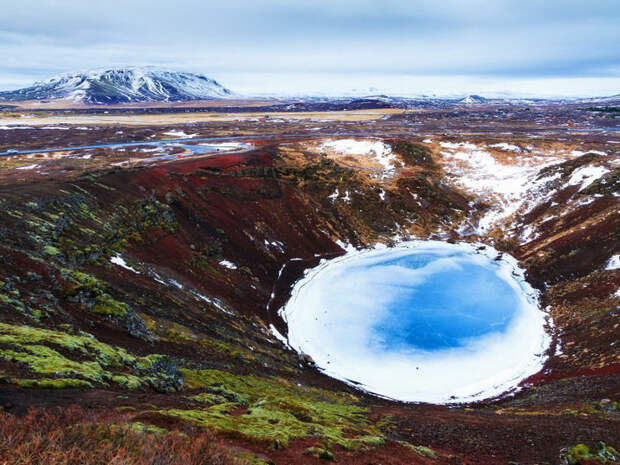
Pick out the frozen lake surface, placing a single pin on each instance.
(425, 321)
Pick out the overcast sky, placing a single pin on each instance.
(537, 47)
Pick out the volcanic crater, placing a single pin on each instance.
(157, 286)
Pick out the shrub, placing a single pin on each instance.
(73, 435)
(412, 154)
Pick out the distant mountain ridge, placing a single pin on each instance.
(152, 84)
(473, 99)
(122, 85)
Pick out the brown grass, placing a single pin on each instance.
(185, 118)
(74, 436)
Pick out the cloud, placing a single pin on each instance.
(477, 38)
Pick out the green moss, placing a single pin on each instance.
(92, 293)
(44, 360)
(576, 454)
(78, 230)
(107, 306)
(50, 250)
(579, 452)
(49, 352)
(12, 303)
(320, 453)
(87, 231)
(277, 410)
(422, 450)
(127, 381)
(208, 398)
(372, 440)
(150, 429)
(236, 349)
(83, 344)
(58, 383)
(83, 279)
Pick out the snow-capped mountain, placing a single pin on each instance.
(122, 85)
(473, 99)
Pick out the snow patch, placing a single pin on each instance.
(504, 186)
(381, 152)
(215, 302)
(229, 265)
(506, 147)
(278, 335)
(586, 175)
(28, 167)
(179, 134)
(118, 260)
(613, 263)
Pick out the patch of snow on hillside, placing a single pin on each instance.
(27, 167)
(229, 265)
(381, 152)
(118, 260)
(613, 263)
(505, 185)
(528, 234)
(586, 175)
(278, 335)
(506, 147)
(215, 302)
(180, 134)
